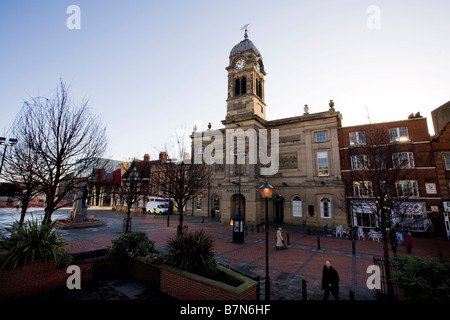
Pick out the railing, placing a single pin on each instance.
(383, 292)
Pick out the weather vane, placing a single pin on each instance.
(245, 28)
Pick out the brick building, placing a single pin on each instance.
(403, 150)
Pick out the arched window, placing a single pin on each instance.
(243, 85)
(237, 87)
(297, 207)
(325, 208)
(216, 203)
(258, 88)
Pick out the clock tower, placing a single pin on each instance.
(245, 82)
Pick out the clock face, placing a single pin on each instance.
(240, 64)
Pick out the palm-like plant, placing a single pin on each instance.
(192, 252)
(30, 242)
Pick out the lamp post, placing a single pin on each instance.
(238, 220)
(10, 142)
(266, 193)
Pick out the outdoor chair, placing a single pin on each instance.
(361, 233)
(339, 231)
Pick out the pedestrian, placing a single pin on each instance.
(408, 242)
(280, 240)
(330, 281)
(393, 241)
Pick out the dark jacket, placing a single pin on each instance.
(330, 276)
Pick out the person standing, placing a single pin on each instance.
(330, 281)
(408, 242)
(393, 240)
(280, 239)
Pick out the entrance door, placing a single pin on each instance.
(278, 211)
(447, 224)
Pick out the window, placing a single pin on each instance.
(325, 207)
(240, 86)
(321, 136)
(198, 202)
(358, 137)
(403, 160)
(364, 214)
(407, 188)
(380, 161)
(297, 207)
(399, 134)
(216, 203)
(322, 163)
(237, 87)
(243, 85)
(259, 88)
(362, 188)
(359, 161)
(447, 162)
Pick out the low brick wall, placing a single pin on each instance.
(36, 277)
(187, 286)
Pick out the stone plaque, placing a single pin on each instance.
(288, 160)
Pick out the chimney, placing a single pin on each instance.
(163, 157)
(146, 157)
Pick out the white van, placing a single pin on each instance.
(157, 207)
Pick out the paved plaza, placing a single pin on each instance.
(303, 260)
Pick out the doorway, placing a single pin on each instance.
(236, 202)
(278, 209)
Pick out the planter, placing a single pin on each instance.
(88, 223)
(184, 285)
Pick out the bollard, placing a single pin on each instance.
(351, 295)
(309, 230)
(287, 235)
(353, 247)
(318, 243)
(304, 295)
(246, 230)
(257, 227)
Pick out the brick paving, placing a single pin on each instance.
(287, 268)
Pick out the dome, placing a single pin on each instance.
(244, 45)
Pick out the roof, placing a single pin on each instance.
(243, 46)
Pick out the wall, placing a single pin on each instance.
(37, 277)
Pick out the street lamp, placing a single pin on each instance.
(266, 193)
(239, 220)
(10, 142)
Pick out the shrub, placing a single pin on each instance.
(30, 242)
(132, 245)
(420, 279)
(192, 252)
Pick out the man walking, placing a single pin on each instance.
(330, 281)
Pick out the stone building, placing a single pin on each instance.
(298, 156)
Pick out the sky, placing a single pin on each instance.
(154, 69)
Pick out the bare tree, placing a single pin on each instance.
(134, 186)
(377, 166)
(66, 141)
(183, 180)
(20, 170)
